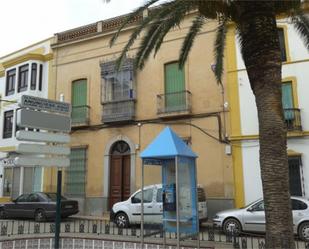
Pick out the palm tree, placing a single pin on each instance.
(256, 27)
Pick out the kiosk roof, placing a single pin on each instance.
(167, 145)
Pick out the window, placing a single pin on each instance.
(259, 206)
(41, 78)
(22, 198)
(10, 82)
(175, 95)
(33, 198)
(33, 76)
(159, 195)
(7, 181)
(282, 44)
(79, 102)
(295, 176)
(23, 72)
(8, 124)
(118, 85)
(76, 172)
(298, 205)
(148, 193)
(287, 100)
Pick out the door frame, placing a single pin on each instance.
(106, 166)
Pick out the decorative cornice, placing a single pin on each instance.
(256, 136)
(27, 57)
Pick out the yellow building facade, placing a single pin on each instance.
(115, 115)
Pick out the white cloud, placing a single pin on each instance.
(25, 22)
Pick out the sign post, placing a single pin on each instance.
(58, 209)
(54, 117)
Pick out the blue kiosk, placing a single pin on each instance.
(179, 186)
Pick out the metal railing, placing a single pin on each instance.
(116, 111)
(292, 119)
(105, 230)
(80, 115)
(174, 102)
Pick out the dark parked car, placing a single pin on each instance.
(40, 206)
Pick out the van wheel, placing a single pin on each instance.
(303, 231)
(231, 226)
(122, 220)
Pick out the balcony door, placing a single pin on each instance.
(120, 168)
(287, 102)
(295, 176)
(79, 101)
(175, 97)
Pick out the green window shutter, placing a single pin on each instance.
(79, 101)
(75, 173)
(175, 98)
(37, 179)
(287, 100)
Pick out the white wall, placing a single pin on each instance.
(299, 69)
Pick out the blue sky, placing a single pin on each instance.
(25, 22)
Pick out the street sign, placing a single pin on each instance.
(43, 120)
(32, 102)
(24, 161)
(7, 162)
(43, 149)
(43, 137)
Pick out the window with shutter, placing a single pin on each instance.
(79, 102)
(76, 172)
(175, 96)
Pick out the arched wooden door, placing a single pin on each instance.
(120, 170)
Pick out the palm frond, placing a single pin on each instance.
(219, 49)
(163, 19)
(190, 37)
(301, 24)
(130, 17)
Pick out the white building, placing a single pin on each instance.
(244, 120)
(26, 71)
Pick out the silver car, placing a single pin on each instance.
(252, 218)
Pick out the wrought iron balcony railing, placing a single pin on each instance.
(292, 119)
(80, 115)
(179, 102)
(118, 111)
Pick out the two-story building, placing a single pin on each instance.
(244, 121)
(116, 114)
(26, 71)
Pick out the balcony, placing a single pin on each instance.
(174, 104)
(292, 119)
(118, 111)
(80, 115)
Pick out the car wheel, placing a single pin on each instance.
(2, 214)
(303, 231)
(231, 226)
(122, 220)
(39, 215)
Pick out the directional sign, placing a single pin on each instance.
(43, 137)
(43, 120)
(43, 149)
(32, 102)
(40, 161)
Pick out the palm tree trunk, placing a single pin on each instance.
(261, 53)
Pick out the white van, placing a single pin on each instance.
(129, 212)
